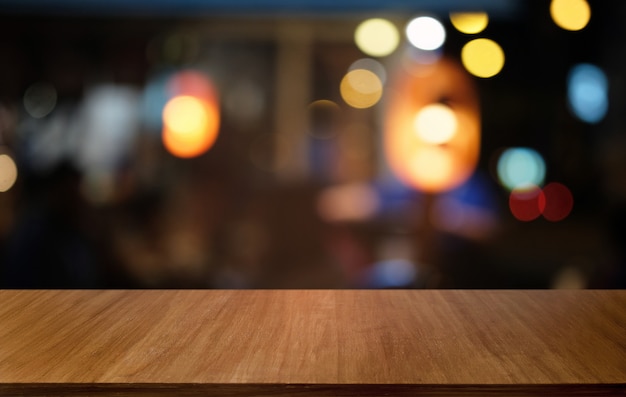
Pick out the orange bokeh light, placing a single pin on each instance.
(191, 118)
(190, 125)
(432, 166)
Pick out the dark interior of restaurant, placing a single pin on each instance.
(300, 175)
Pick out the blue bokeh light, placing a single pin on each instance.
(155, 97)
(392, 273)
(588, 92)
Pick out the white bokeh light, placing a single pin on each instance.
(435, 123)
(426, 33)
(372, 65)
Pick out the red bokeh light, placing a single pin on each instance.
(554, 202)
(527, 203)
(558, 202)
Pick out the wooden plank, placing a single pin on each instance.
(340, 390)
(288, 342)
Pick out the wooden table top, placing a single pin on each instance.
(313, 342)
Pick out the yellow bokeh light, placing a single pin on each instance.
(190, 126)
(435, 124)
(570, 14)
(361, 88)
(482, 57)
(377, 37)
(8, 172)
(185, 114)
(469, 22)
(433, 166)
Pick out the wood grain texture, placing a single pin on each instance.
(319, 342)
(274, 390)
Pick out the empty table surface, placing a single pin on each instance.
(313, 342)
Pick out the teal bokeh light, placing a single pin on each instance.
(520, 167)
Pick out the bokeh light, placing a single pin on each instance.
(174, 48)
(324, 116)
(469, 22)
(40, 99)
(245, 102)
(558, 201)
(527, 203)
(520, 167)
(190, 126)
(109, 128)
(433, 166)
(191, 118)
(349, 202)
(193, 83)
(432, 162)
(570, 277)
(392, 273)
(570, 14)
(377, 37)
(426, 33)
(415, 56)
(372, 65)
(470, 210)
(483, 57)
(155, 96)
(588, 92)
(8, 172)
(181, 47)
(185, 114)
(436, 123)
(361, 88)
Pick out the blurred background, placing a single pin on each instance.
(312, 144)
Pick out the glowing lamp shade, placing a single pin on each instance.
(430, 145)
(190, 126)
(570, 14)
